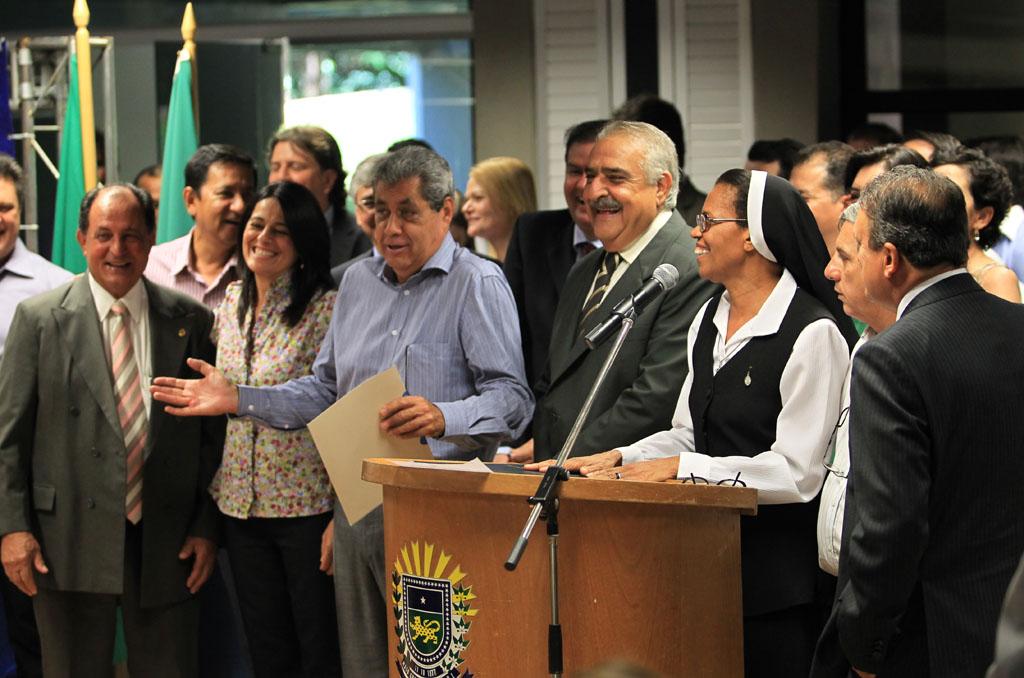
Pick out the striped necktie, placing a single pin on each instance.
(604, 277)
(130, 409)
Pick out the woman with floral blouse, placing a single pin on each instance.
(272, 487)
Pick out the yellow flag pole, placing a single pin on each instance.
(81, 17)
(188, 35)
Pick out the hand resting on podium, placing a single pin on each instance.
(608, 466)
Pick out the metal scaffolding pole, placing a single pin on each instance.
(29, 211)
(39, 79)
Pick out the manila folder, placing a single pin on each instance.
(348, 432)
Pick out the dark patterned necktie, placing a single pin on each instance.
(583, 249)
(604, 277)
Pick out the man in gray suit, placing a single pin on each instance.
(104, 501)
(665, 116)
(632, 180)
(932, 530)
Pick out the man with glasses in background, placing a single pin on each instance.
(361, 186)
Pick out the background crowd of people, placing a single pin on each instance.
(843, 337)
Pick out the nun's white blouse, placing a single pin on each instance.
(792, 470)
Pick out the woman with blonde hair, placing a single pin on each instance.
(498, 191)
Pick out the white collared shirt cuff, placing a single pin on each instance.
(698, 465)
(631, 454)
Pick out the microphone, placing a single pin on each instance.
(664, 278)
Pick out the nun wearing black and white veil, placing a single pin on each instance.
(767, 358)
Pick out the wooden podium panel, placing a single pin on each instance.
(648, 572)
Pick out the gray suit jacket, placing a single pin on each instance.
(640, 393)
(62, 453)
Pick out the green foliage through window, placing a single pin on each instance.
(337, 69)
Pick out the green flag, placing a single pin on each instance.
(179, 145)
(71, 186)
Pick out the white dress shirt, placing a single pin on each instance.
(833, 494)
(137, 303)
(811, 386)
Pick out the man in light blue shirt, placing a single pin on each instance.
(23, 273)
(446, 318)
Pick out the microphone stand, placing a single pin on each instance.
(545, 501)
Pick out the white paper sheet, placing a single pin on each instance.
(474, 466)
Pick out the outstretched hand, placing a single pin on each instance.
(211, 395)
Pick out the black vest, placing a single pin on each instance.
(735, 414)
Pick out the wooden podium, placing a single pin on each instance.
(648, 572)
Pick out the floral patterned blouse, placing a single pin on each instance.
(267, 473)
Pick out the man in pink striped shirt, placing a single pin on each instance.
(219, 184)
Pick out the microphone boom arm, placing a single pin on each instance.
(548, 486)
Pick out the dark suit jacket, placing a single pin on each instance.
(338, 272)
(933, 527)
(690, 201)
(536, 265)
(62, 453)
(347, 239)
(640, 393)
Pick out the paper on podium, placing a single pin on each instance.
(471, 466)
(348, 432)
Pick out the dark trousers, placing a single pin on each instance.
(286, 602)
(780, 644)
(223, 652)
(21, 630)
(76, 630)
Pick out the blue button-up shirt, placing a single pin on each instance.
(24, 275)
(1010, 246)
(452, 331)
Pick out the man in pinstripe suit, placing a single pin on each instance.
(932, 531)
